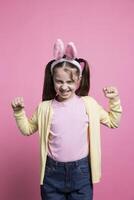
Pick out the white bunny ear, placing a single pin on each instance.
(71, 52)
(58, 51)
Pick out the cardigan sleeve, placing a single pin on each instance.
(112, 117)
(26, 125)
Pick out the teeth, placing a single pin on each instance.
(64, 92)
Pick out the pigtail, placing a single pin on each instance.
(48, 86)
(84, 87)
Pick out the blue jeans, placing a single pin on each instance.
(67, 180)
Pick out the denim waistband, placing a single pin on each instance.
(74, 163)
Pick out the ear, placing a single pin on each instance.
(80, 77)
(71, 52)
(58, 51)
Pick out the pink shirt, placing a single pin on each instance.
(68, 138)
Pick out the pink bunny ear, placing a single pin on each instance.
(71, 52)
(58, 51)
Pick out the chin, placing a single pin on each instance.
(65, 97)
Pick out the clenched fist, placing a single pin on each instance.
(111, 92)
(18, 104)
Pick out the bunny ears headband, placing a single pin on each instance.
(69, 52)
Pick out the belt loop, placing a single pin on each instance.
(76, 163)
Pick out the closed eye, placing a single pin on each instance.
(58, 81)
(70, 82)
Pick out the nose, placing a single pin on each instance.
(64, 86)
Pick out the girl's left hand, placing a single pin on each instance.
(111, 92)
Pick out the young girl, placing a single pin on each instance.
(68, 122)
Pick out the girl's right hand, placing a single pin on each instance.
(17, 104)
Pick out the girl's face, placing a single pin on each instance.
(66, 81)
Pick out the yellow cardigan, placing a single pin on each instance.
(41, 121)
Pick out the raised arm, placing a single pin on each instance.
(112, 117)
(26, 125)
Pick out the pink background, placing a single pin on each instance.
(103, 32)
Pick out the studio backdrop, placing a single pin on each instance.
(103, 32)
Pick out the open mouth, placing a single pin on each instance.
(65, 93)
